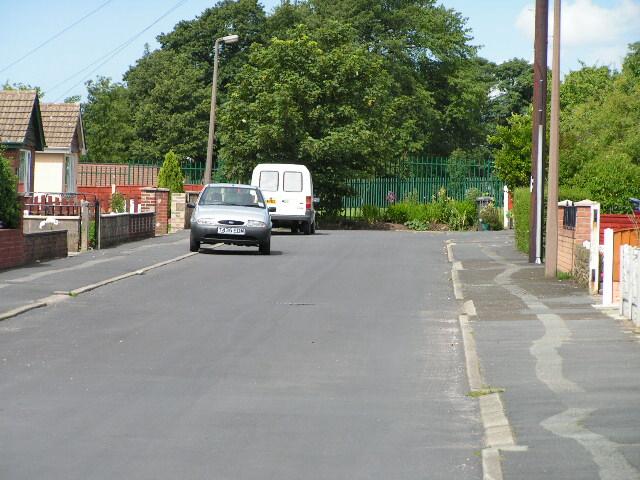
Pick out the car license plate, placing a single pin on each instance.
(231, 230)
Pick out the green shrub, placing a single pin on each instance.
(575, 194)
(170, 175)
(370, 213)
(521, 208)
(397, 213)
(417, 225)
(462, 214)
(610, 180)
(92, 234)
(117, 203)
(491, 216)
(9, 205)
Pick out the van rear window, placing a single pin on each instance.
(292, 181)
(269, 181)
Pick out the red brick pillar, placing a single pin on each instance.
(157, 200)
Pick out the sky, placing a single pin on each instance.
(67, 42)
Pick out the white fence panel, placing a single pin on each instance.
(630, 283)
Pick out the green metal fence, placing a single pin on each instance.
(422, 178)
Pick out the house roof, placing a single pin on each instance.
(61, 121)
(20, 120)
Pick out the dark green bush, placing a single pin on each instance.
(170, 175)
(9, 205)
(521, 208)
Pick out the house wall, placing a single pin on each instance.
(49, 172)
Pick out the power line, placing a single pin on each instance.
(53, 37)
(111, 54)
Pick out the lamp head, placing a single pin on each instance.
(230, 39)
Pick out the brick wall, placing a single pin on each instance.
(568, 239)
(157, 200)
(130, 192)
(11, 248)
(42, 246)
(125, 227)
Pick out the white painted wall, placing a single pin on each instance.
(49, 172)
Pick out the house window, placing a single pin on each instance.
(68, 173)
(24, 170)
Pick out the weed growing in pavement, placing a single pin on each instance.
(484, 391)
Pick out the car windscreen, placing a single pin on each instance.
(268, 181)
(232, 196)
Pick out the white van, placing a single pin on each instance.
(288, 188)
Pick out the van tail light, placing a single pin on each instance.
(308, 203)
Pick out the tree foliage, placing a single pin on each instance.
(170, 175)
(327, 107)
(9, 207)
(513, 153)
(107, 121)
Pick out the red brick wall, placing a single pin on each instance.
(157, 200)
(569, 238)
(104, 195)
(11, 248)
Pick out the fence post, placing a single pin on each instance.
(594, 254)
(607, 286)
(84, 226)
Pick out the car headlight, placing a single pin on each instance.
(256, 223)
(206, 221)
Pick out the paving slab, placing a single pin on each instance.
(570, 372)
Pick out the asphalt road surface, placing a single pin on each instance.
(337, 357)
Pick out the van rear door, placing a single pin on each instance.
(291, 195)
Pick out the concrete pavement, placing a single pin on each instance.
(39, 283)
(569, 372)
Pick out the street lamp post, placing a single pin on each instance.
(212, 115)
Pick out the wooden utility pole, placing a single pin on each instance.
(551, 250)
(539, 122)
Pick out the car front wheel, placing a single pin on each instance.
(194, 245)
(265, 247)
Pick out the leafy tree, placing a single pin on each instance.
(73, 99)
(22, 87)
(107, 121)
(513, 154)
(610, 180)
(170, 175)
(9, 207)
(329, 109)
(511, 89)
(584, 85)
(170, 104)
